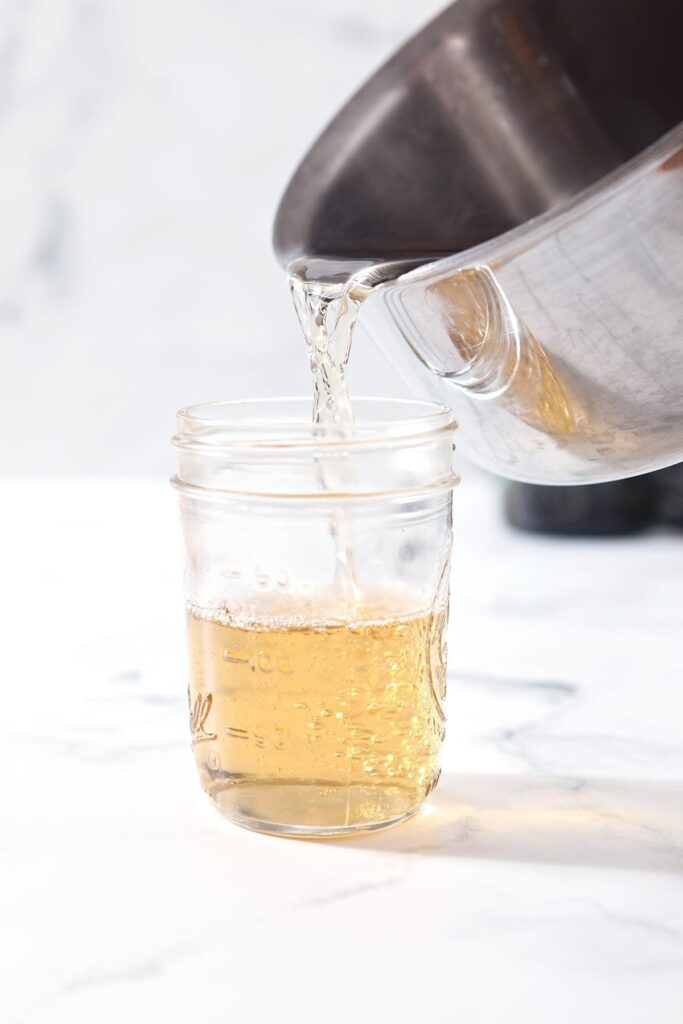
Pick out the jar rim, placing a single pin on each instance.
(269, 424)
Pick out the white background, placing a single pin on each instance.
(144, 145)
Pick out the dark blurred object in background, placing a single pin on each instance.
(668, 485)
(593, 510)
(598, 510)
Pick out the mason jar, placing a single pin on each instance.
(316, 590)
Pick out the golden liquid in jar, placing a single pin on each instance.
(317, 728)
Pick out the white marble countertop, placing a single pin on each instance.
(541, 884)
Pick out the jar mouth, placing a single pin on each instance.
(267, 450)
(263, 425)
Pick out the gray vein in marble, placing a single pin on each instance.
(94, 979)
(548, 752)
(549, 686)
(516, 740)
(542, 749)
(658, 928)
(652, 929)
(651, 836)
(340, 895)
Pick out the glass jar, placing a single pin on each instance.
(317, 600)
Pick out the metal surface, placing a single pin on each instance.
(497, 141)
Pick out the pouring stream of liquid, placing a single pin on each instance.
(327, 313)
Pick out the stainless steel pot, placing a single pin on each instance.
(525, 157)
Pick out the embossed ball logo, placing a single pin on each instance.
(437, 651)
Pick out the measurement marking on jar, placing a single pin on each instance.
(277, 738)
(268, 663)
(236, 734)
(235, 659)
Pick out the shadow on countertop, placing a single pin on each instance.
(618, 824)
